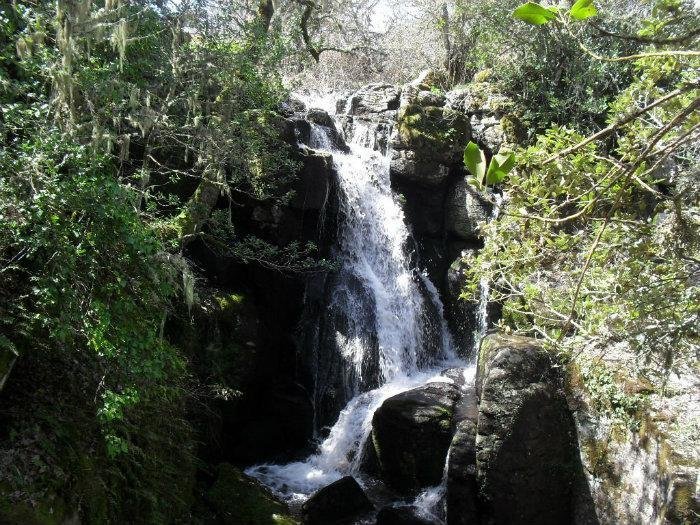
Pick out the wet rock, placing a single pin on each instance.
(466, 207)
(462, 485)
(292, 105)
(336, 503)
(402, 515)
(526, 449)
(412, 432)
(312, 185)
(320, 117)
(374, 98)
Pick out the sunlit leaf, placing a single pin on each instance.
(535, 14)
(475, 161)
(583, 9)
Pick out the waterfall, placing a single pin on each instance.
(482, 313)
(383, 319)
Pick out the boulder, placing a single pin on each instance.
(465, 208)
(527, 456)
(412, 432)
(374, 98)
(402, 515)
(435, 133)
(320, 117)
(237, 499)
(411, 166)
(339, 502)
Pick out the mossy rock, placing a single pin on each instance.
(433, 129)
(240, 500)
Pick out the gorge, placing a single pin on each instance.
(355, 262)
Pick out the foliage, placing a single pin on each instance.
(498, 167)
(117, 120)
(597, 246)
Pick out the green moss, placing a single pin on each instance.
(600, 464)
(428, 127)
(240, 500)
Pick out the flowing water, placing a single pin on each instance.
(384, 319)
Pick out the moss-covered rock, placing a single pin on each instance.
(435, 132)
(240, 500)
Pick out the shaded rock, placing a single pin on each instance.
(277, 425)
(402, 515)
(237, 499)
(412, 432)
(465, 208)
(320, 117)
(312, 185)
(462, 485)
(338, 502)
(526, 449)
(460, 314)
(374, 98)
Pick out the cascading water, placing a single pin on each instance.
(383, 319)
(482, 313)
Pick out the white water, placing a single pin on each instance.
(482, 315)
(373, 240)
(431, 502)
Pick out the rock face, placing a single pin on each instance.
(527, 457)
(337, 503)
(466, 208)
(373, 99)
(412, 432)
(462, 484)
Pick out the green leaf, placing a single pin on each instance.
(501, 164)
(475, 161)
(583, 9)
(535, 14)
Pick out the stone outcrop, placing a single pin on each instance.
(411, 433)
(461, 497)
(527, 461)
(466, 209)
(337, 503)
